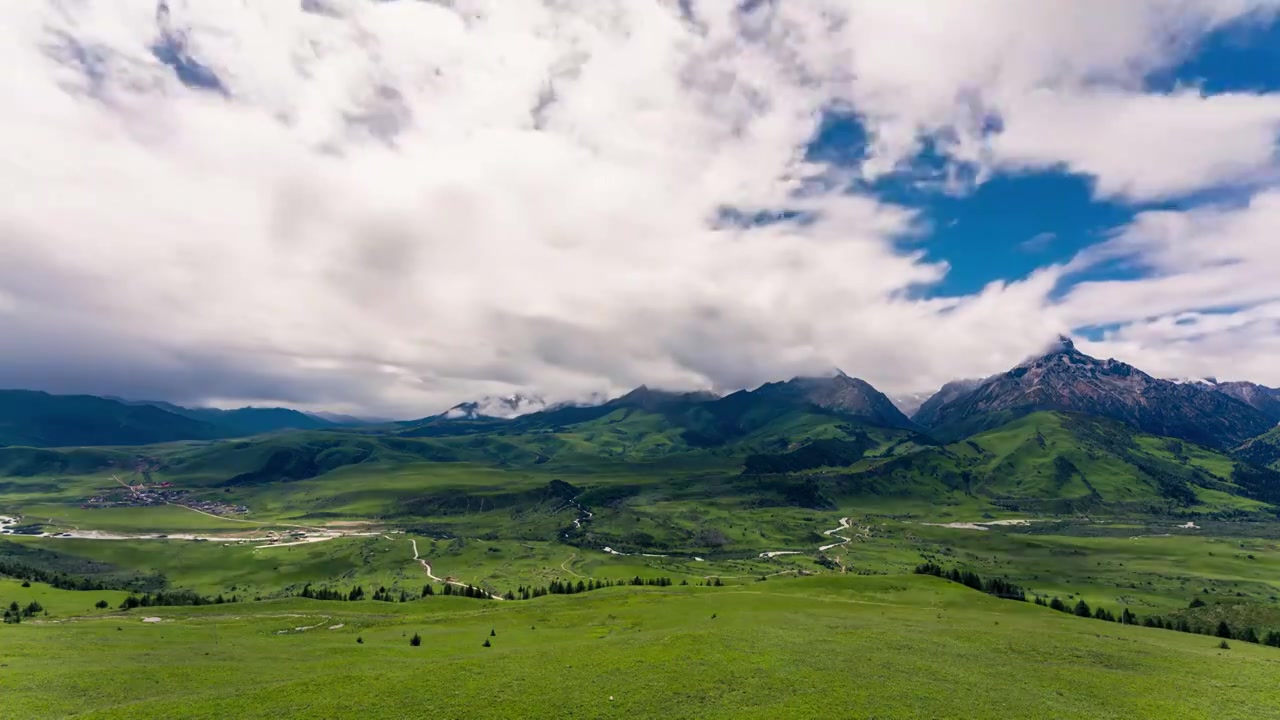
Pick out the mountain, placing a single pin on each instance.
(657, 400)
(241, 421)
(774, 416)
(1262, 398)
(1059, 462)
(927, 413)
(254, 420)
(1065, 379)
(504, 407)
(39, 419)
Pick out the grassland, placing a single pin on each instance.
(818, 647)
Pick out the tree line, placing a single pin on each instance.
(998, 587)
(523, 592)
(1004, 589)
(64, 581)
(174, 597)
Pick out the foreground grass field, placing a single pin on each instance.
(822, 647)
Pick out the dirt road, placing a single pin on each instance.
(427, 567)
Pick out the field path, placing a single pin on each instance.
(565, 566)
(427, 567)
(251, 522)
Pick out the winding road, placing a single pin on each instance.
(427, 567)
(844, 525)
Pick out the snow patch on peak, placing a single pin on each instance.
(1206, 381)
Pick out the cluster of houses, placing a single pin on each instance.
(159, 494)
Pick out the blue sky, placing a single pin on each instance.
(1014, 223)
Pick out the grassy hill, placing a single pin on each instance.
(1059, 462)
(1263, 450)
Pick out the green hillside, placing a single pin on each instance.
(1263, 450)
(1068, 463)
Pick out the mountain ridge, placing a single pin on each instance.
(1065, 379)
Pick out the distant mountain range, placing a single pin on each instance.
(40, 419)
(1214, 414)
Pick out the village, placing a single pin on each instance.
(143, 495)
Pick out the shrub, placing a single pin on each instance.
(101, 604)
(1223, 645)
(416, 640)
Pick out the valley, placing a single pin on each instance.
(792, 516)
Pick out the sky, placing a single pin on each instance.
(386, 208)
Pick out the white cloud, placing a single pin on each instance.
(1062, 81)
(400, 205)
(1143, 147)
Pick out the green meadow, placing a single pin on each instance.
(818, 647)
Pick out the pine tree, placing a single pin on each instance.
(1223, 630)
(1248, 635)
(1272, 638)
(416, 640)
(1082, 608)
(1056, 604)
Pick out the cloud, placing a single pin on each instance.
(1039, 242)
(1006, 85)
(392, 207)
(1143, 147)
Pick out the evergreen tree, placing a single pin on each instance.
(416, 640)
(1223, 630)
(1248, 635)
(1082, 608)
(1128, 618)
(1272, 638)
(1056, 604)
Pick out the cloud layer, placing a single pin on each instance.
(391, 207)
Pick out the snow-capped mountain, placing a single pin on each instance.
(504, 407)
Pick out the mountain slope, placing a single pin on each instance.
(1070, 381)
(1061, 462)
(1262, 398)
(927, 413)
(1263, 451)
(42, 420)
